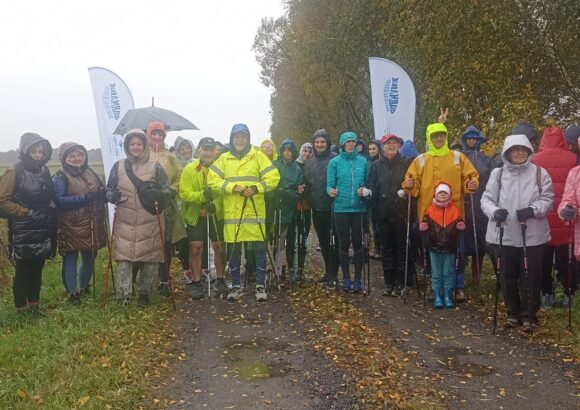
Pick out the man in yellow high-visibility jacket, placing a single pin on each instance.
(243, 175)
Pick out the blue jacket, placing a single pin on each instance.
(347, 172)
(61, 200)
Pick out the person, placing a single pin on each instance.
(299, 227)
(291, 177)
(79, 195)
(139, 189)
(409, 150)
(268, 147)
(438, 164)
(442, 223)
(315, 177)
(174, 226)
(243, 175)
(554, 157)
(472, 140)
(518, 196)
(374, 151)
(346, 183)
(26, 198)
(572, 133)
(183, 150)
(521, 127)
(200, 206)
(361, 147)
(390, 212)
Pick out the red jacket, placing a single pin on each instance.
(554, 157)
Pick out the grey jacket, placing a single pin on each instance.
(518, 190)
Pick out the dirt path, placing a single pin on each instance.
(248, 356)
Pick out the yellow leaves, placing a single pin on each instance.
(83, 400)
(21, 394)
(105, 361)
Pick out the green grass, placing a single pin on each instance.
(85, 355)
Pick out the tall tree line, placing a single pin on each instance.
(491, 62)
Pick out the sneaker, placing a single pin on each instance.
(346, 285)
(547, 301)
(388, 291)
(331, 284)
(196, 290)
(261, 294)
(235, 293)
(164, 289)
(357, 286)
(528, 326)
(396, 290)
(205, 273)
(35, 312)
(221, 288)
(511, 322)
(143, 300)
(74, 298)
(188, 276)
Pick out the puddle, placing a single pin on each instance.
(258, 358)
(451, 358)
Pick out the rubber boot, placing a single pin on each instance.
(449, 299)
(437, 300)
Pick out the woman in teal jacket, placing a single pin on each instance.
(347, 176)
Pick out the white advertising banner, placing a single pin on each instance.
(394, 100)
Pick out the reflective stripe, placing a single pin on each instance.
(267, 169)
(244, 221)
(264, 185)
(241, 179)
(224, 187)
(456, 158)
(421, 160)
(217, 171)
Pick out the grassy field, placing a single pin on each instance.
(81, 356)
(96, 166)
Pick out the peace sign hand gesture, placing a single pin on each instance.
(443, 115)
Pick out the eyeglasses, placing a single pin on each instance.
(158, 133)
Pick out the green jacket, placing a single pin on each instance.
(286, 195)
(191, 185)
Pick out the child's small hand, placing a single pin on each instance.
(460, 225)
(423, 226)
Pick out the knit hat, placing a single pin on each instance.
(443, 187)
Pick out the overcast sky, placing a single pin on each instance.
(194, 57)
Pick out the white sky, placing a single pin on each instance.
(194, 57)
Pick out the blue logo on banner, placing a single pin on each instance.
(391, 94)
(111, 102)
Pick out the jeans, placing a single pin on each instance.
(235, 250)
(442, 271)
(85, 271)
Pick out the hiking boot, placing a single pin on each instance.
(196, 290)
(461, 296)
(331, 284)
(449, 299)
(35, 312)
(221, 288)
(74, 298)
(261, 294)
(437, 300)
(511, 322)
(346, 285)
(528, 326)
(388, 291)
(235, 293)
(164, 289)
(143, 301)
(357, 286)
(397, 290)
(188, 276)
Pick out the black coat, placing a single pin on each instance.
(385, 179)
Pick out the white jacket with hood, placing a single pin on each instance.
(518, 189)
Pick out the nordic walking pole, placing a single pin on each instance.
(570, 267)
(523, 226)
(407, 246)
(425, 241)
(263, 235)
(110, 261)
(165, 257)
(93, 256)
(497, 273)
(208, 256)
(477, 272)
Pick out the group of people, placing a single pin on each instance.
(449, 203)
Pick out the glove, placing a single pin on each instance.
(113, 196)
(568, 213)
(500, 215)
(207, 193)
(423, 226)
(471, 185)
(460, 225)
(366, 192)
(37, 215)
(210, 208)
(524, 214)
(161, 195)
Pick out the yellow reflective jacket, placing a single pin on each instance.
(191, 185)
(253, 169)
(440, 165)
